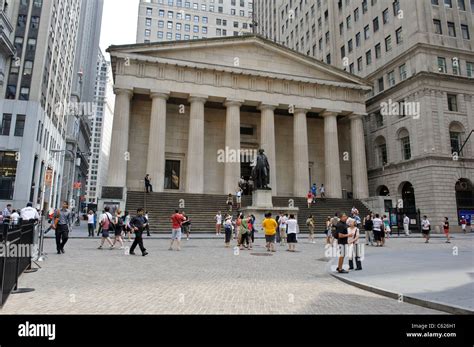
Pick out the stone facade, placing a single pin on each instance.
(168, 108)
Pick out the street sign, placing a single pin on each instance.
(49, 177)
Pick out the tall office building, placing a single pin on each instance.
(101, 124)
(82, 101)
(419, 57)
(39, 78)
(7, 50)
(169, 20)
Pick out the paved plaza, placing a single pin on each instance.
(204, 278)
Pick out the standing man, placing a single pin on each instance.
(406, 225)
(62, 229)
(177, 220)
(322, 191)
(342, 235)
(270, 226)
(148, 186)
(137, 224)
(426, 228)
(7, 211)
(238, 197)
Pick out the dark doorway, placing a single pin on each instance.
(173, 174)
(408, 196)
(465, 199)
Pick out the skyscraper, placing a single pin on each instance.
(169, 20)
(33, 128)
(419, 58)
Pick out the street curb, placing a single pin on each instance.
(452, 309)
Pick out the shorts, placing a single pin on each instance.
(425, 232)
(105, 233)
(270, 238)
(291, 238)
(239, 200)
(176, 234)
(118, 231)
(378, 235)
(446, 231)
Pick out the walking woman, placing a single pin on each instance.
(127, 228)
(238, 224)
(309, 198)
(119, 228)
(353, 241)
(105, 225)
(446, 229)
(310, 224)
(386, 225)
(328, 231)
(228, 229)
(230, 202)
(243, 232)
(250, 236)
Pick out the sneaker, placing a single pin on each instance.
(448, 242)
(132, 253)
(62, 250)
(144, 254)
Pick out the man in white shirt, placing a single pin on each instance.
(14, 217)
(292, 231)
(426, 228)
(29, 213)
(406, 225)
(378, 230)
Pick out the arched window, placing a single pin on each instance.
(404, 138)
(456, 132)
(383, 191)
(381, 151)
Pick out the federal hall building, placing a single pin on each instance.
(178, 104)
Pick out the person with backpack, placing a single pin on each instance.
(353, 241)
(119, 228)
(106, 225)
(310, 225)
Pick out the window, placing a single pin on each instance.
(385, 16)
(375, 24)
(359, 64)
(341, 28)
(452, 103)
(149, 11)
(388, 43)
(169, 36)
(196, 28)
(351, 68)
(148, 22)
(380, 84)
(455, 139)
(169, 25)
(343, 52)
(356, 14)
(448, 3)
(465, 32)
(21, 21)
(20, 125)
(348, 22)
(35, 22)
(178, 26)
(396, 7)
(170, 14)
(204, 20)
(398, 36)
(364, 6)
(470, 69)
(461, 5)
(187, 27)
(147, 32)
(442, 65)
(161, 13)
(382, 151)
(403, 72)
(437, 26)
(368, 57)
(8, 164)
(378, 119)
(349, 45)
(391, 78)
(24, 93)
(204, 30)
(328, 59)
(378, 51)
(31, 44)
(366, 32)
(6, 124)
(358, 39)
(435, 2)
(28, 68)
(160, 34)
(451, 29)
(455, 66)
(406, 150)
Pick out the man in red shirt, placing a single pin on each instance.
(176, 220)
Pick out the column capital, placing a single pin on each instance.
(354, 116)
(123, 91)
(267, 106)
(198, 98)
(233, 102)
(330, 113)
(159, 94)
(301, 110)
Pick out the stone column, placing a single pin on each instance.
(301, 183)
(195, 156)
(267, 140)
(157, 141)
(360, 185)
(331, 156)
(119, 145)
(232, 143)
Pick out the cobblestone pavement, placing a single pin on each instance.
(204, 278)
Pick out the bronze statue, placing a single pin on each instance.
(261, 171)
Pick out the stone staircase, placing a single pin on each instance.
(203, 207)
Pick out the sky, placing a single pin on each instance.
(119, 23)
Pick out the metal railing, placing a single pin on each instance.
(14, 263)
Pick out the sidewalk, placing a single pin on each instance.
(435, 275)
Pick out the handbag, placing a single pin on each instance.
(111, 225)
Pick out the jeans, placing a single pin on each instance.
(90, 229)
(149, 188)
(62, 235)
(228, 234)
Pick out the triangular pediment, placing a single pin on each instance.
(246, 53)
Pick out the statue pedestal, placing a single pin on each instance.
(262, 198)
(261, 204)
